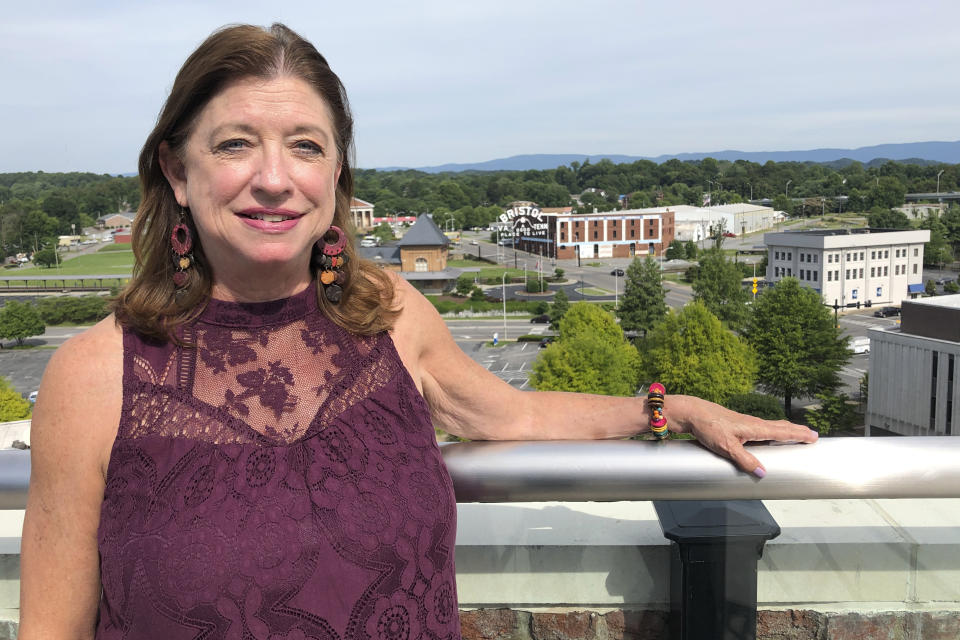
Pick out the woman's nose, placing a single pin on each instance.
(272, 176)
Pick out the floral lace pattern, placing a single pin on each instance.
(276, 478)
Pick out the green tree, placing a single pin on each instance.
(13, 406)
(799, 350)
(590, 356)
(676, 251)
(930, 288)
(718, 285)
(951, 287)
(560, 306)
(937, 250)
(476, 295)
(384, 232)
(835, 413)
(760, 405)
(20, 320)
(644, 299)
(46, 258)
(690, 250)
(782, 203)
(888, 219)
(691, 352)
(888, 192)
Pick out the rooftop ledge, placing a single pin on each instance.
(850, 542)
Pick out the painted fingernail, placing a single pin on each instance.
(759, 472)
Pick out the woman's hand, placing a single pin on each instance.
(724, 431)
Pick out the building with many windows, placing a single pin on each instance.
(849, 266)
(563, 234)
(914, 387)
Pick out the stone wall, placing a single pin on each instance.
(790, 624)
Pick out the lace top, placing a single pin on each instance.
(279, 479)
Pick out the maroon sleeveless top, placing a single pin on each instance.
(278, 480)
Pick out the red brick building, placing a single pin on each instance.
(614, 234)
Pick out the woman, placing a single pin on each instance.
(245, 449)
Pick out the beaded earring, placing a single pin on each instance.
(658, 421)
(181, 242)
(330, 260)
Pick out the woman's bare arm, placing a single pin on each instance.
(74, 423)
(468, 401)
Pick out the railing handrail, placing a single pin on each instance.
(611, 470)
(604, 471)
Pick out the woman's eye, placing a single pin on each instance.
(232, 145)
(306, 146)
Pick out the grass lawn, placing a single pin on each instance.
(109, 260)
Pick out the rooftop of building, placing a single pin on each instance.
(424, 233)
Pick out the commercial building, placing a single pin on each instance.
(564, 235)
(914, 389)
(694, 223)
(848, 266)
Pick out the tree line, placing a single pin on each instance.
(35, 207)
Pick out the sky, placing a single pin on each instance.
(468, 81)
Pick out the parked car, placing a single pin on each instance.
(32, 397)
(617, 272)
(545, 342)
(860, 345)
(728, 234)
(474, 242)
(541, 319)
(885, 312)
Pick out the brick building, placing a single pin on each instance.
(562, 234)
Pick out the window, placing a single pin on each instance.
(420, 265)
(829, 257)
(916, 252)
(803, 257)
(885, 270)
(632, 233)
(594, 234)
(914, 269)
(816, 278)
(815, 258)
(896, 269)
(861, 255)
(801, 274)
(886, 254)
(873, 255)
(790, 255)
(776, 255)
(614, 233)
(846, 275)
(789, 271)
(872, 270)
(861, 273)
(836, 275)
(829, 276)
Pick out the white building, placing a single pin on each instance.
(847, 266)
(694, 223)
(362, 213)
(914, 389)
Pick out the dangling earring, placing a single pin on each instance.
(181, 241)
(330, 261)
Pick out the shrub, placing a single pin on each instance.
(558, 273)
(476, 294)
(535, 286)
(13, 406)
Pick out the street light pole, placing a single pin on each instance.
(786, 190)
(503, 293)
(616, 290)
(938, 181)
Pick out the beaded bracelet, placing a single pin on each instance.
(658, 422)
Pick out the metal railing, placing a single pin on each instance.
(603, 471)
(901, 467)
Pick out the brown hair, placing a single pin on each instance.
(150, 303)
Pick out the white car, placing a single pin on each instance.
(32, 397)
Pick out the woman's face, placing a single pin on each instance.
(259, 174)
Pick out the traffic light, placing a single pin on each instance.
(754, 286)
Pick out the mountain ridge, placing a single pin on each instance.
(913, 152)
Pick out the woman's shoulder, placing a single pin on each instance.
(81, 395)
